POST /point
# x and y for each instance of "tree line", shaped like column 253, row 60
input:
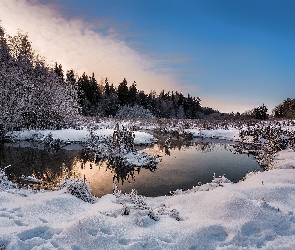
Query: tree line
column 104, row 99
column 35, row 94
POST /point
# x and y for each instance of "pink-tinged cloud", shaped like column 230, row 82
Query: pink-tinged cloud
column 75, row 44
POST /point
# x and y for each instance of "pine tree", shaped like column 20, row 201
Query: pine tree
column 59, row 72
column 132, row 93
column 260, row 112
column 123, row 93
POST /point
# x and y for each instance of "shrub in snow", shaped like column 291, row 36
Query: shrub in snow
column 175, row 214
column 134, row 112
column 264, row 140
column 134, row 203
column 51, row 145
column 78, row 188
column 4, row 182
column 119, row 150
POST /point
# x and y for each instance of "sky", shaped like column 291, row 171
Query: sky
column 234, row 55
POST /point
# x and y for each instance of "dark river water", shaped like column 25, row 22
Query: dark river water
column 182, row 166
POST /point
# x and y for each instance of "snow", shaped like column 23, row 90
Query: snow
column 74, row 135
column 285, row 159
column 257, row 213
column 231, row 134
column 30, row 179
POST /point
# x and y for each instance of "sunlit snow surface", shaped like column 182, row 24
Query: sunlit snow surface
column 257, row 213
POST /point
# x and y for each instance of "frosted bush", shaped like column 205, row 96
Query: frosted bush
column 134, row 203
column 78, row 188
column 4, row 182
column 51, row 145
column 119, row 150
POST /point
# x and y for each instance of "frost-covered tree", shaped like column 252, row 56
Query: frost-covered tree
column 31, row 92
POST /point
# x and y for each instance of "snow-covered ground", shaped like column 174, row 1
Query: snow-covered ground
column 74, row 135
column 258, row 213
column 230, row 134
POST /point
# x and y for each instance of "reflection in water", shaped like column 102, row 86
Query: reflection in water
column 35, row 162
column 183, row 165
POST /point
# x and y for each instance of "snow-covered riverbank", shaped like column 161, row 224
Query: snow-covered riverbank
column 74, row 135
column 255, row 213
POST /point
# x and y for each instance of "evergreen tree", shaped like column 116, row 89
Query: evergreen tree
column 107, row 90
column 132, row 94
column 89, row 95
column 123, row 93
column 260, row 112
column 59, row 72
column 286, row 109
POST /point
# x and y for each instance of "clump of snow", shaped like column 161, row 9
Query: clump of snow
column 31, row 179
column 216, row 182
column 231, row 134
column 140, row 159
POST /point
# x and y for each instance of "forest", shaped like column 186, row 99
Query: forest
column 35, row 94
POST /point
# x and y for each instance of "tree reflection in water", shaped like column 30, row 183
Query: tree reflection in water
column 117, row 167
column 35, row 162
column 51, row 168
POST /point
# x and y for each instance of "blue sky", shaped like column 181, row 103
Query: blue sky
column 234, row 55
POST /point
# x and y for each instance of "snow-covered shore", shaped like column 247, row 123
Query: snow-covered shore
column 257, row 213
column 74, row 135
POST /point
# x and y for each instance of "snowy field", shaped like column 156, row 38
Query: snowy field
column 257, row 213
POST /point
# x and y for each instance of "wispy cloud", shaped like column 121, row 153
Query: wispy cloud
column 84, row 46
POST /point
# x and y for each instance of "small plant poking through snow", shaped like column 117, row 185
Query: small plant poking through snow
column 78, row 188
column 134, row 203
